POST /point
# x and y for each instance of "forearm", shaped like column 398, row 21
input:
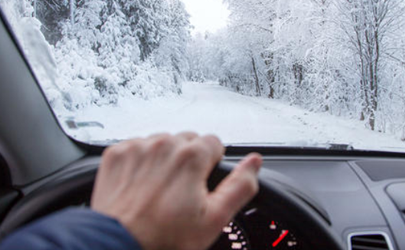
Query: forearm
column 73, row 229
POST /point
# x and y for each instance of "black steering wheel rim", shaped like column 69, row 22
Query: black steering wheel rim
column 75, row 188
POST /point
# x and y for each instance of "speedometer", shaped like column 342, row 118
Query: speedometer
column 282, row 238
column 259, row 229
column 268, row 231
column 232, row 237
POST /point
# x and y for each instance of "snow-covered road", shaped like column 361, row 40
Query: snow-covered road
column 212, row 109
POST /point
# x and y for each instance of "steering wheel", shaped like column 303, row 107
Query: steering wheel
column 75, row 188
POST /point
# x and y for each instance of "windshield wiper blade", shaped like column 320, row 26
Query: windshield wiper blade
column 72, row 124
column 340, row 147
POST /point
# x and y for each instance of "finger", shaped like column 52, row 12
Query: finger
column 132, row 157
column 217, row 151
column 159, row 135
column 236, row 190
column 113, row 156
column 200, row 156
column 157, row 143
column 159, row 148
column 186, row 136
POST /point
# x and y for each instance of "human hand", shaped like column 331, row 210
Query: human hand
column 157, row 189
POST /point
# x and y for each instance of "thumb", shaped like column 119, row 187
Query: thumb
column 236, row 190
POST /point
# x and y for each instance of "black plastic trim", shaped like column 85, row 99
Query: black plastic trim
column 31, row 139
column 301, row 151
column 8, row 198
column 9, row 29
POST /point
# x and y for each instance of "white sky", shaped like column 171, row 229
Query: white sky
column 207, row 15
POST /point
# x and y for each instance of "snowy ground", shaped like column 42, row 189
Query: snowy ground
column 212, row 109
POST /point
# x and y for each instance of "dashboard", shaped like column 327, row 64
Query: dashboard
column 361, row 199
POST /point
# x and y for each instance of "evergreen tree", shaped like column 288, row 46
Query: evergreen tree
column 173, row 46
column 146, row 20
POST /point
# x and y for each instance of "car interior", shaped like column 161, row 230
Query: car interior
column 308, row 199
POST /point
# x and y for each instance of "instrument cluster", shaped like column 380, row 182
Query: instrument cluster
column 256, row 228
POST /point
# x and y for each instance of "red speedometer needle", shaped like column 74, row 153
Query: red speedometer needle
column 282, row 236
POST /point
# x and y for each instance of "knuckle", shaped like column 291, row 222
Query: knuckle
column 108, row 152
column 215, row 147
column 191, row 133
column 203, row 148
column 123, row 150
column 189, row 151
column 212, row 139
column 111, row 156
column 162, row 141
column 132, row 146
column 198, row 156
column 192, row 156
column 156, row 136
column 187, row 135
column 112, row 152
column 195, row 152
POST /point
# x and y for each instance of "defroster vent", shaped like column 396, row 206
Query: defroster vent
column 369, row 241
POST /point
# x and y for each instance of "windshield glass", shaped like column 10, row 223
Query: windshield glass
column 292, row 73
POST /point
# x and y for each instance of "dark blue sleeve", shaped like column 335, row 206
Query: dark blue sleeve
column 72, row 229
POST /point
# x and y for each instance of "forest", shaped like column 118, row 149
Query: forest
column 342, row 57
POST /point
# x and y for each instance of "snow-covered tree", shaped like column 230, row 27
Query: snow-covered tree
column 369, row 26
column 173, row 46
column 342, row 57
column 146, row 18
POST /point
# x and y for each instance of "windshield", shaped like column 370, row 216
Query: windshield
column 293, row 73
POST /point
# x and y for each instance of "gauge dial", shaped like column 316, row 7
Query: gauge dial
column 267, row 231
column 281, row 238
column 232, row 237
